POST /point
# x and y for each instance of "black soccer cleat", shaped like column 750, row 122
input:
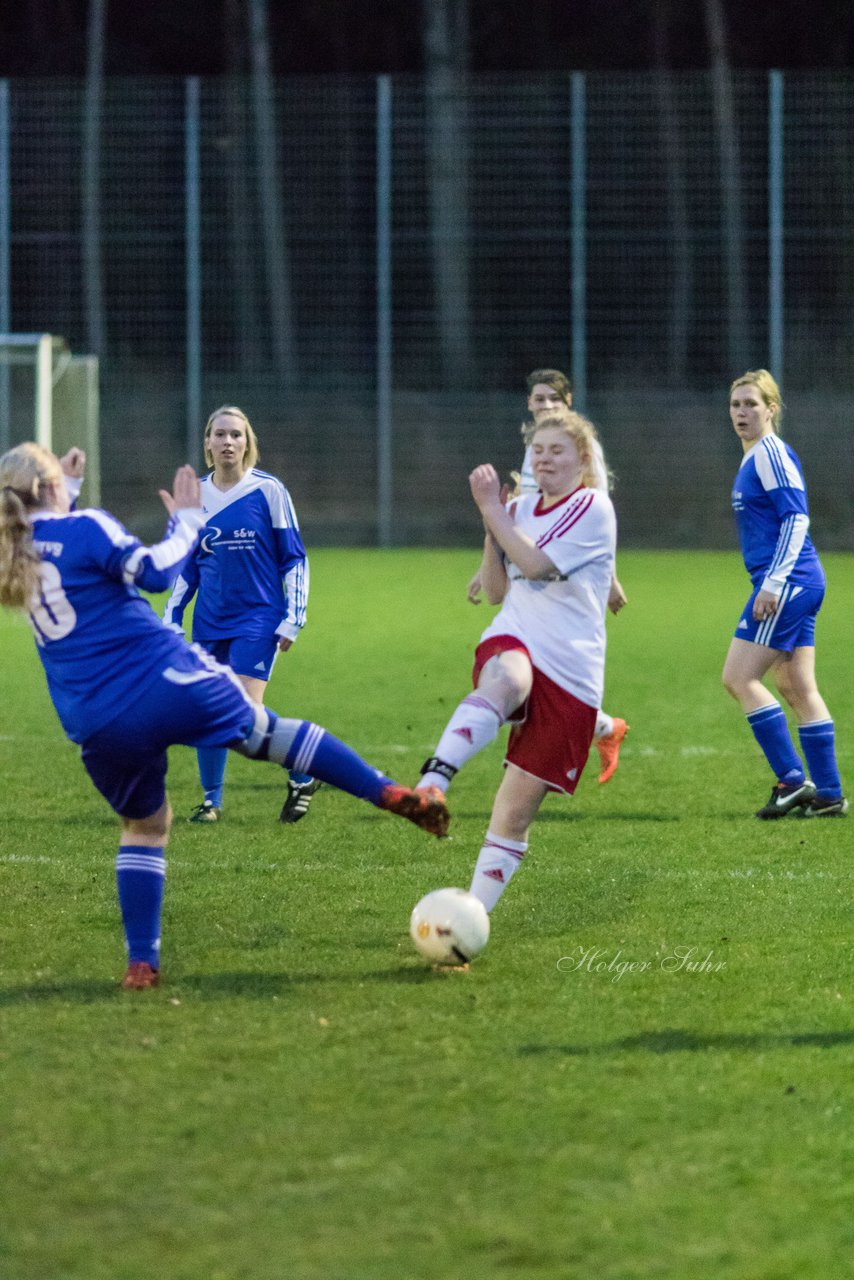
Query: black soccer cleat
column 825, row 807
column 204, row 812
column 785, row 799
column 298, row 799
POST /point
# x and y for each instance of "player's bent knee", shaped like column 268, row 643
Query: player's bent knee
column 507, row 690
column 272, row 737
column 734, row 684
column 156, row 826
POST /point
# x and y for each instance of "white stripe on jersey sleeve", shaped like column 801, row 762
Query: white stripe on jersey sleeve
column 790, row 542
column 177, row 601
column 774, row 467
column 181, row 536
column 282, row 513
column 114, row 531
column 296, row 591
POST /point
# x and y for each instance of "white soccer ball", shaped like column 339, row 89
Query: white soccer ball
column 449, row 926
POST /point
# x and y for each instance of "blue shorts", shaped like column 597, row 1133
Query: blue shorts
column 791, row 627
column 194, row 703
column 254, row 658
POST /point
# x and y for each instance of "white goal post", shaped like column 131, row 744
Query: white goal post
column 50, row 395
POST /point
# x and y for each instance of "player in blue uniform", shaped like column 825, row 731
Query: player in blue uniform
column 249, row 574
column 126, row 687
column 776, row 631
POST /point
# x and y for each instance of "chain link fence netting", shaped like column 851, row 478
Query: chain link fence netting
column 618, row 226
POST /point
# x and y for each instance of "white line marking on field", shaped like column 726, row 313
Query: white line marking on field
column 311, row 868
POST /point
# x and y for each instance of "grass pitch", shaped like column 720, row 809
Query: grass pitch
column 647, row 1074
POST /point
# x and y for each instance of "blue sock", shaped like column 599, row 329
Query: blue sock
column 818, row 742
column 299, row 778
column 140, row 875
column 331, row 760
column 772, row 733
column 212, row 771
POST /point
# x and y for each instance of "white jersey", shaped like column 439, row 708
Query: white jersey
column 527, row 483
column 561, row 620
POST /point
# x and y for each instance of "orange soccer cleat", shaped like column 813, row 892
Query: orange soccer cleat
column 140, row 976
column 609, row 749
column 425, row 807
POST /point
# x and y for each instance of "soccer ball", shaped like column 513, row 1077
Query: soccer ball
column 449, row 926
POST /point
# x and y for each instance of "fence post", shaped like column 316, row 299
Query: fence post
column 90, row 220
column 578, row 197
column 5, row 264
column 385, row 490
column 192, row 270
column 776, row 250
column 44, row 391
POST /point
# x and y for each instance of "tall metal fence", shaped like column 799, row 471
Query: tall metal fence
column 370, row 267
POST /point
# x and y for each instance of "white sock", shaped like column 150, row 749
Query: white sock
column 496, row 862
column 474, row 724
column 604, row 725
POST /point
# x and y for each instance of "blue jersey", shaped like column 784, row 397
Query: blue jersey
column 250, row 568
column 770, row 504
column 100, row 642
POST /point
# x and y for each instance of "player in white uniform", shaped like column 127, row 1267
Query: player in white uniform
column 549, row 392
column 540, row 664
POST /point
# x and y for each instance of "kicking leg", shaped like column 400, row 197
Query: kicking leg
column 301, row 786
column 503, row 685
column 299, row 744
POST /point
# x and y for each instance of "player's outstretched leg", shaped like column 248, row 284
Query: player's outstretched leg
column 473, row 726
column 299, row 744
column 425, row 807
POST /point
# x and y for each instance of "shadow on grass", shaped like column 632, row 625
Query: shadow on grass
column 208, row 986
column 677, row 1040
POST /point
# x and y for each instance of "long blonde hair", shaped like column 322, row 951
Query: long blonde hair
column 25, row 472
column 252, row 454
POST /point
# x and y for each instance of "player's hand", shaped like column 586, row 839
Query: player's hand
column 186, row 491
column 764, row 606
column 474, row 589
column 616, row 596
column 284, row 644
column 73, row 463
column 485, row 486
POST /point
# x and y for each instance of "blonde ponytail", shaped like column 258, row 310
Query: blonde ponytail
column 24, row 470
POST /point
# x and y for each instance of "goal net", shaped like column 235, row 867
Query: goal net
column 50, row 395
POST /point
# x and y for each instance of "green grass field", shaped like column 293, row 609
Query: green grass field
column 304, row 1099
